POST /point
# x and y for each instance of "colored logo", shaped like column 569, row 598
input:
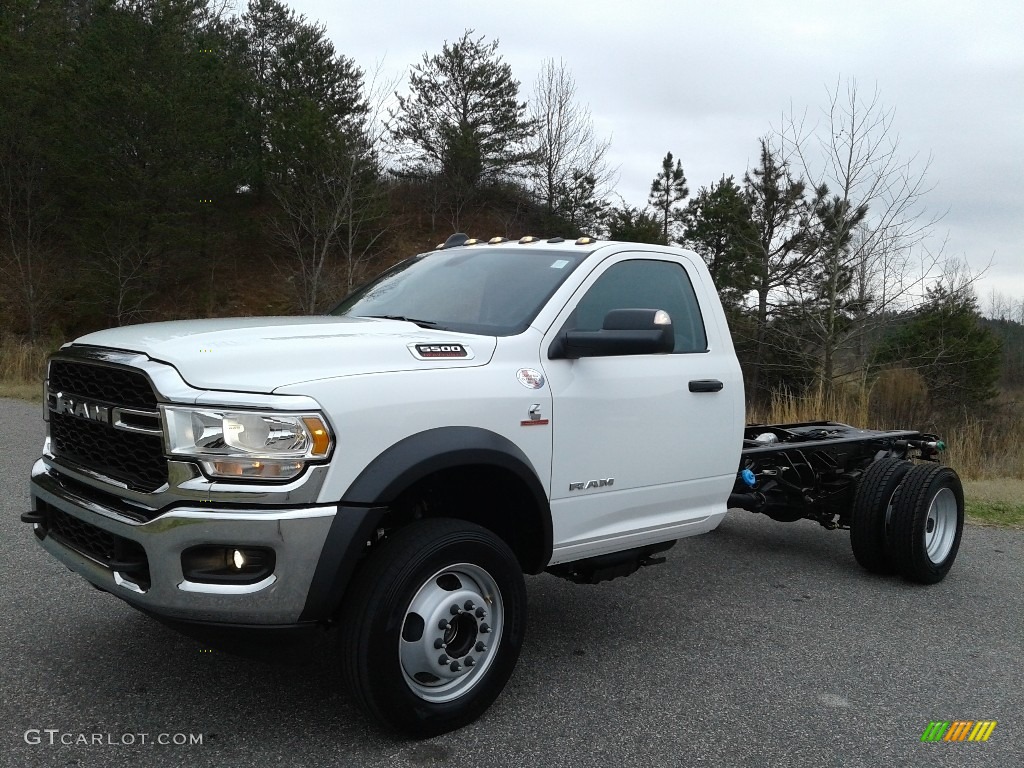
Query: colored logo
column 958, row 730
column 530, row 378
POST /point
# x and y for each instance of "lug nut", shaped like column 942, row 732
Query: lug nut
column 439, row 644
column 443, row 659
column 455, row 609
column 480, row 613
column 443, row 624
column 468, row 605
column 484, row 629
column 470, row 661
column 480, row 647
column 455, row 666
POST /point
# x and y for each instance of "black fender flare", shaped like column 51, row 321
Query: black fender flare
column 424, row 453
column 384, row 479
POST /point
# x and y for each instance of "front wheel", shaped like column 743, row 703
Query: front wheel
column 433, row 625
column 927, row 523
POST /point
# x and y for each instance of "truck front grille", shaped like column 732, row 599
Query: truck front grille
column 118, row 386
column 134, row 458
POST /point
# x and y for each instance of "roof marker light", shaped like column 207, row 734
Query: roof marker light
column 529, row 239
column 496, row 240
column 585, row 241
column 455, row 240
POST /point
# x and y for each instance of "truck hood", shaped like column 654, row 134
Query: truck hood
column 260, row 354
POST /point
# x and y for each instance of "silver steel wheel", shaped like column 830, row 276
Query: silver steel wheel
column 927, row 523
column 940, row 525
column 451, row 632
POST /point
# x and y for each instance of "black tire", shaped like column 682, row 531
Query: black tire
column 927, row 523
column 870, row 507
column 433, row 567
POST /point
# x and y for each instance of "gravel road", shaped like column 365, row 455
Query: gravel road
column 761, row 644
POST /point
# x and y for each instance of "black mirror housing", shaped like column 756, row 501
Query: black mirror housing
column 624, row 332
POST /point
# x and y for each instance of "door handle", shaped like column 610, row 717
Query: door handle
column 706, row 385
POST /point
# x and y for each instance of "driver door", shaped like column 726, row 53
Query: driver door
column 638, row 457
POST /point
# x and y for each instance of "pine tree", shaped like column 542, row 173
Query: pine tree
column 267, row 26
column 634, row 225
column 579, row 205
column 827, row 295
column 149, row 140
column 305, row 98
column 718, row 225
column 462, row 121
column 945, row 341
column 30, row 58
column 668, row 190
column 781, row 215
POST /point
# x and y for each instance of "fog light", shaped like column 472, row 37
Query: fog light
column 263, row 469
column 218, row 564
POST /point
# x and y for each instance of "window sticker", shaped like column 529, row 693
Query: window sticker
column 560, row 264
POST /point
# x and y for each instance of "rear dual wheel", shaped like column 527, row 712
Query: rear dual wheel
column 908, row 519
column 872, row 509
column 927, row 523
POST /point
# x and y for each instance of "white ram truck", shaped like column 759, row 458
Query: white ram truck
column 476, row 413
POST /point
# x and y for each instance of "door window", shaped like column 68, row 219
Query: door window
column 644, row 284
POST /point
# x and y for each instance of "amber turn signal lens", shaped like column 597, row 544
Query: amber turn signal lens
column 321, row 440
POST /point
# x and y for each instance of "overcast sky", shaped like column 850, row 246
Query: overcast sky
column 705, row 79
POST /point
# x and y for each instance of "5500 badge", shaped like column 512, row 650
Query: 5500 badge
column 441, row 351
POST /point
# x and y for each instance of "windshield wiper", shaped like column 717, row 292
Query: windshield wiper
column 421, row 323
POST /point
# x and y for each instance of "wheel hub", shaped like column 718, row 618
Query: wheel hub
column 460, row 637
column 450, row 630
column 940, row 525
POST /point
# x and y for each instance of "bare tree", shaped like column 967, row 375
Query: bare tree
column 565, row 146
column 334, row 209
column 871, row 224
column 325, row 213
column 1000, row 307
column 366, row 216
column 125, row 268
column 25, row 216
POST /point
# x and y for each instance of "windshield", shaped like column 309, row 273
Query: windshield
column 483, row 289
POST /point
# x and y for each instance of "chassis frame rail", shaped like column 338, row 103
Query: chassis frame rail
column 809, row 470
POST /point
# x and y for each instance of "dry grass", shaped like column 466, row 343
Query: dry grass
column 982, row 449
column 818, row 405
column 30, row 392
column 22, row 368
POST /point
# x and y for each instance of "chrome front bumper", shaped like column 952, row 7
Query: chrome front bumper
column 297, row 536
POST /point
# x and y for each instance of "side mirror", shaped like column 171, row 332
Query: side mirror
column 624, row 332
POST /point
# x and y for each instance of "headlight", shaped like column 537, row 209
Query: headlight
column 247, row 444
